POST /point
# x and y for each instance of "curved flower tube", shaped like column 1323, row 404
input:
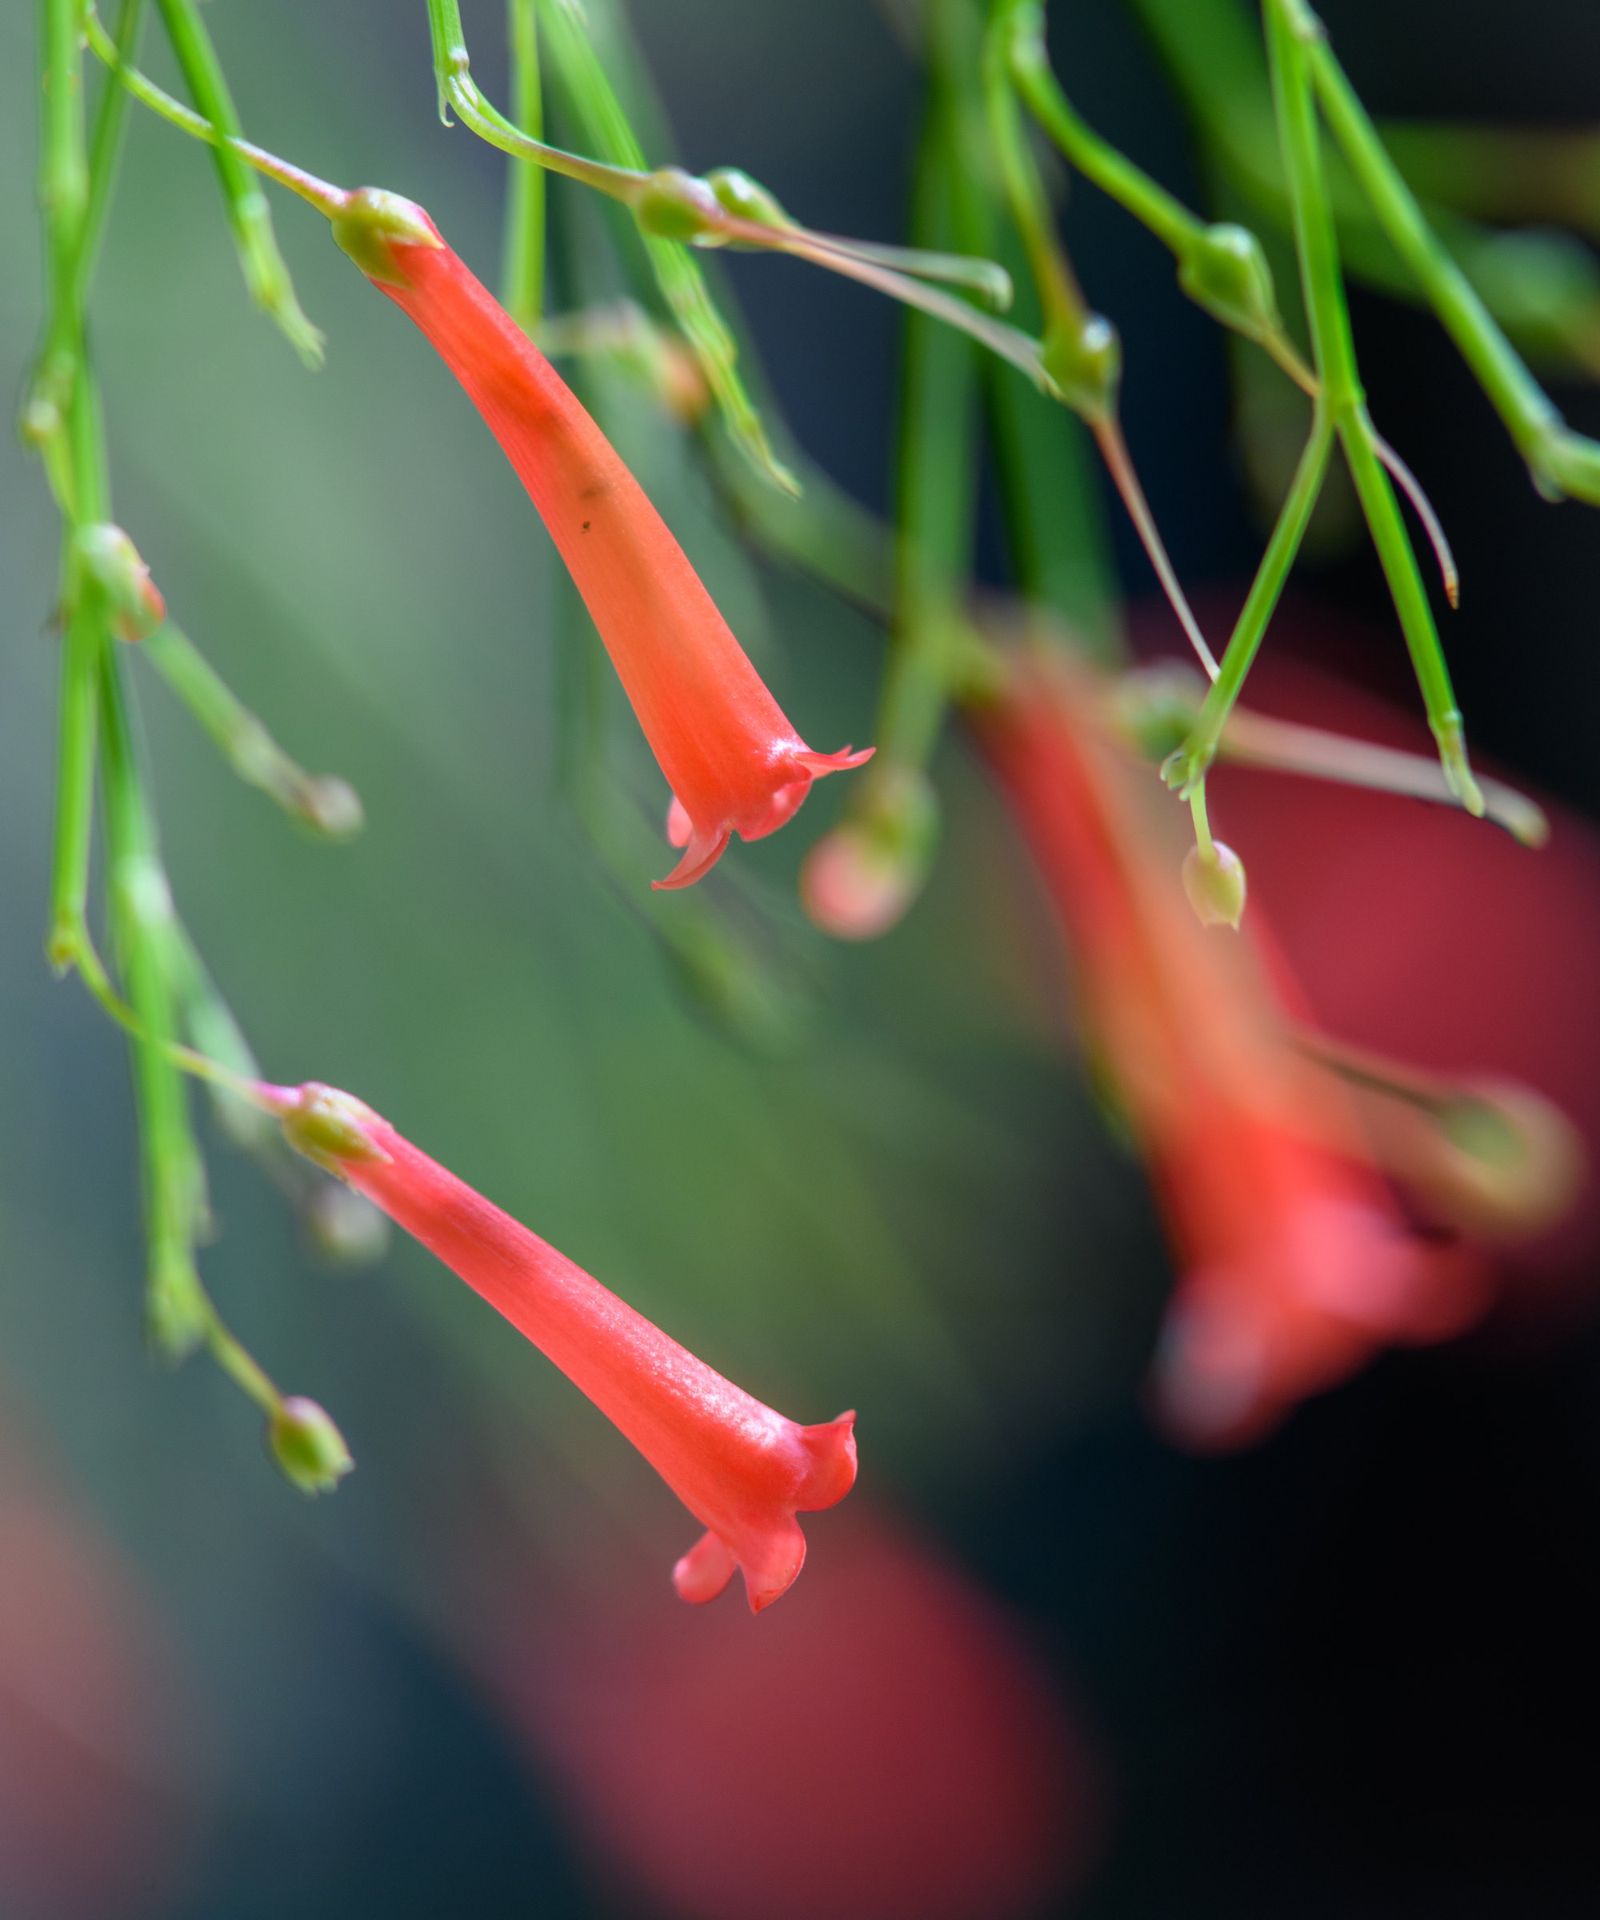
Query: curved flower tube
column 741, row 1469
column 1298, row 1265
column 733, row 760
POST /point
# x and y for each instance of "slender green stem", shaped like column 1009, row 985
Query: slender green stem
column 1222, row 268
column 140, row 912
column 327, row 805
column 329, row 200
column 1291, row 32
column 1020, row 24
column 1560, row 461
column 1187, row 768
column 525, row 209
column 678, row 276
column 936, row 467
column 266, row 273
column 452, row 71
column 1548, row 293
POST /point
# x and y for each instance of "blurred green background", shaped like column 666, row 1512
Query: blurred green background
column 900, row 1199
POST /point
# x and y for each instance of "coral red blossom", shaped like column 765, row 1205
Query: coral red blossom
column 741, row 1469
column 732, row 758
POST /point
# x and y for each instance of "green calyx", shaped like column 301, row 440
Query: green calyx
column 309, row 1449
column 746, row 199
column 1226, row 273
column 675, row 205
column 331, row 1128
column 1082, row 360
column 372, row 222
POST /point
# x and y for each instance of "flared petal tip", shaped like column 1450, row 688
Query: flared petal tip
column 818, row 764
column 832, row 1472
column 700, row 855
column 703, row 1571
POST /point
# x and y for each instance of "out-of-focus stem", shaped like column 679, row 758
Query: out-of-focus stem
column 265, row 272
column 525, row 197
column 327, row 805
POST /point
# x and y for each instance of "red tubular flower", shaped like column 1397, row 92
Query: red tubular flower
column 741, row 1469
column 734, row 762
column 1298, row 1263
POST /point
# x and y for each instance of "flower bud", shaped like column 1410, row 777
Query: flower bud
column 308, row 1447
column 115, row 564
column 1226, row 272
column 1084, row 365
column 1214, row 882
column 746, row 199
column 674, row 205
column 373, row 222
column 859, row 880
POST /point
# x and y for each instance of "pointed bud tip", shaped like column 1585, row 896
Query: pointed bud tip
column 308, row 1448
column 1215, row 884
column 333, row 1129
column 374, row 223
column 1226, row 272
column 675, row 205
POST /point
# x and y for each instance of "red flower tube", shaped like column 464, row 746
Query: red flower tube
column 741, row 1469
column 1298, row 1264
column 733, row 760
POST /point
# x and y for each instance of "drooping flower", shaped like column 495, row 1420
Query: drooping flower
column 733, row 760
column 741, row 1469
column 1297, row 1263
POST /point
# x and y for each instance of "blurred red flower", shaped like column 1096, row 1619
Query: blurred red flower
column 889, row 1748
column 1296, row 1262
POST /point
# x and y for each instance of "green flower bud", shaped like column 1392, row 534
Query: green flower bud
column 1226, row 272
column 1215, row 885
column 1084, row 365
column 674, row 205
column 373, row 223
column 746, row 199
column 329, row 1127
column 308, row 1448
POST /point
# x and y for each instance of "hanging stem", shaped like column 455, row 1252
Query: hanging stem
column 525, row 201
column 1291, row 30
column 1186, row 770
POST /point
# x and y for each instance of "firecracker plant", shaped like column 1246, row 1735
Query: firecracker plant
column 1265, row 1141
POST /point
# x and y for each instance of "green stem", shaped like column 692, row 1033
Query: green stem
column 265, row 272
column 327, row 805
column 678, row 276
column 1291, row 32
column 525, row 204
column 452, row 72
column 1222, row 268
column 140, row 915
column 329, row 200
column 1187, row 768
column 1560, row 461
column 937, row 464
